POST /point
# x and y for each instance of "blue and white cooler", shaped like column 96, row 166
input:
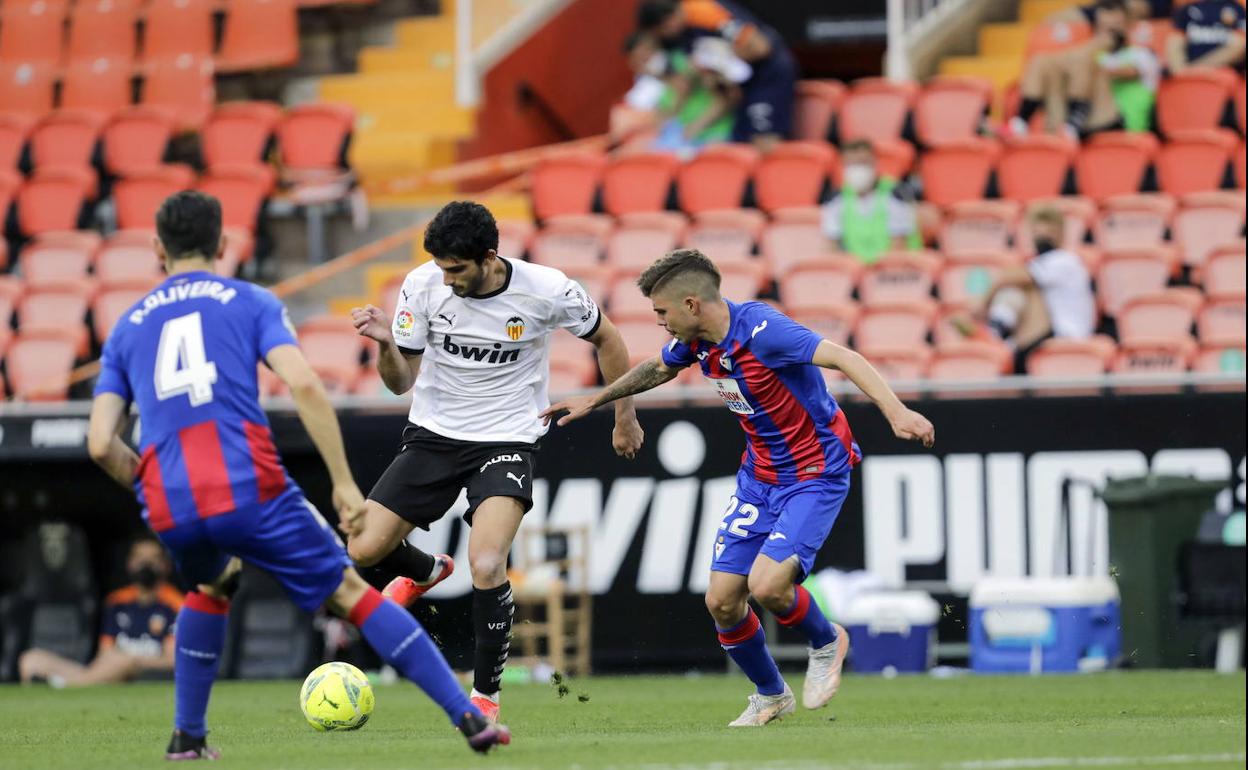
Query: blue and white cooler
column 1045, row 624
column 892, row 630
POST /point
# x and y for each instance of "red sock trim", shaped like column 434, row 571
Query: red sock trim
column 205, row 603
column 797, row 613
column 741, row 632
column 365, row 607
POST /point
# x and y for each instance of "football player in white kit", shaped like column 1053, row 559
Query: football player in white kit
column 471, row 332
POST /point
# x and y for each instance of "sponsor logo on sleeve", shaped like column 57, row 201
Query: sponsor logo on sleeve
column 404, row 323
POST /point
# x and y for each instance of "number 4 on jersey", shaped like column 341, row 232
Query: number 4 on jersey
column 181, row 366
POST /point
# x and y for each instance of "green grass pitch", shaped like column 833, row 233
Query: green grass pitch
column 1136, row 719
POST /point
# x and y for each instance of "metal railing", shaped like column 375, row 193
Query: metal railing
column 908, row 21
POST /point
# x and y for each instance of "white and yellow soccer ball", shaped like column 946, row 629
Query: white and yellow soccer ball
column 336, row 696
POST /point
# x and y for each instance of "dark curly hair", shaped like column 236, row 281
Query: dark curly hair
column 189, row 225
column 462, row 230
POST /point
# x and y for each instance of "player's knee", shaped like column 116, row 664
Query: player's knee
column 773, row 593
column 365, row 552
column 489, row 568
column 724, row 608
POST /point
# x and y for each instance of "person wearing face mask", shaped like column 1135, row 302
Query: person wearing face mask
column 136, row 633
column 1050, row 297
column 867, row 217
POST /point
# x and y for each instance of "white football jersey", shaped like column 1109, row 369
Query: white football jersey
column 486, row 359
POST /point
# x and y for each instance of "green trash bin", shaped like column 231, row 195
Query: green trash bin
column 1149, row 518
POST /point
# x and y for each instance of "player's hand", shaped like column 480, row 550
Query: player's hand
column 350, row 505
column 913, row 426
column 372, row 322
column 627, row 437
column 576, row 408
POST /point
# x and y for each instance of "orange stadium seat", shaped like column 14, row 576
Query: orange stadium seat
column 1240, row 162
column 1035, row 167
column 741, row 280
column 1125, row 275
column 313, row 137
column 108, row 308
column 672, row 221
column 1154, row 359
column 571, row 242
column 624, row 298
column 48, row 264
column 103, row 29
column 1241, row 107
column 259, row 34
column 714, row 180
column 876, row 108
column 636, row 248
column 1223, row 274
column 644, row 337
column 565, row 185
column 899, row 363
column 65, row 138
column 902, row 324
column 572, row 356
column 951, row 109
column 958, row 171
column 100, row 86
column 970, row 361
column 1206, row 221
column 966, row 278
column 6, row 323
column 32, row 33
column 14, row 131
column 834, row 322
column 173, row 28
column 638, row 183
column 1195, row 161
column 749, row 220
column 973, row 227
column 793, row 174
column 783, row 244
column 813, row 285
column 594, row 278
column 1071, row 358
column 127, row 262
column 1047, row 37
column 904, row 276
column 722, row 242
column 1194, row 99
column 242, row 191
column 1160, row 318
column 1134, row 221
column 1114, row 163
column 184, row 87
column 817, row 102
column 38, row 366
column 1220, row 323
column 238, row 133
column 334, row 354
column 893, row 158
column 60, row 309
column 1077, row 212
column 514, row 237
column 136, row 139
column 138, row 195
column 1221, row 361
column 53, row 199
column 26, row 89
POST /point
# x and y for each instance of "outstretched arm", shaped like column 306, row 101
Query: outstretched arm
column 647, row 375
column 906, row 423
column 613, row 361
column 108, row 413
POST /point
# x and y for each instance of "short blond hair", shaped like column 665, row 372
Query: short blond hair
column 1049, row 215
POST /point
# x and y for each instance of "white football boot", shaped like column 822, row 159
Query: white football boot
column 823, row 672
column 766, row 708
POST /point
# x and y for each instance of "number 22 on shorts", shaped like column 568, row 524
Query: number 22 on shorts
column 738, row 525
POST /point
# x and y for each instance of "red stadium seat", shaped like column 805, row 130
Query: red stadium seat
column 1240, row 162
column 312, row 138
column 109, row 306
column 951, row 110
column 65, row 138
column 973, row 227
column 1071, row 358
column 814, row 285
column 966, row 278
column 238, row 133
column 1125, row 275
column 127, row 262
column 58, row 310
column 1156, row 319
column 184, row 87
column 1195, row 161
column 1206, row 221
column 32, row 33
column 876, row 108
column 905, row 276
column 14, row 131
column 793, row 174
column 750, row 220
column 714, row 181
column 103, row 29
column 514, row 237
column 1220, row 323
column 1221, row 361
column 1035, row 167
column 817, row 102
column 783, row 244
column 49, row 264
column 1194, row 99
column 834, row 322
column 643, row 336
column 637, row 183
column 172, row 28
column 53, row 199
column 636, row 248
column 1154, row 359
column 138, row 195
column 894, row 158
column 38, row 366
column 99, row 86
column 722, row 243
column 1134, row 221
column 259, row 34
column 958, row 171
column 740, row 281
column 334, row 355
column 594, row 278
column 26, row 89
column 624, row 298
column 904, row 324
column 6, row 323
column 1114, row 163
column 570, row 242
column 970, row 361
column 565, row 185
column 242, row 191
column 1223, row 274
column 572, row 356
column 135, row 140
column 899, row 363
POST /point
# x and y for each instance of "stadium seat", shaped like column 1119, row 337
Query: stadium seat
column 138, row 195
column 643, row 336
column 32, row 33
column 334, row 354
column 1153, row 319
column 1193, row 99
column 671, row 221
column 784, row 243
column 624, row 298
column 722, row 242
column 14, row 131
column 905, row 324
column 958, row 171
column 1114, row 163
column 1221, row 361
column 714, row 181
column 970, row 361
column 60, row 309
column 98, row 86
column 238, row 133
column 514, row 237
column 6, row 323
column 1194, row 161
column 793, row 174
column 312, row 138
column 966, row 278
column 1223, row 274
column 594, row 278
column 38, row 366
column 834, row 322
column 1154, row 359
column 127, row 262
column 636, row 248
column 1071, row 358
column 899, row 363
column 172, row 28
column 876, row 108
column 639, row 182
column 1048, row 37
column 741, row 281
column 65, row 139
column 904, row 276
column 103, row 29
column 973, row 227
column 814, row 285
column 259, row 34
column 1240, row 162
column 1125, row 275
column 570, row 241
column 1241, row 107
column 184, row 87
column 951, row 109
column 53, row 199
column 894, row 158
column 242, row 191
column 1134, row 221
column 1220, row 323
column 136, row 139
column 565, row 185
column 572, row 356
column 1206, row 221
column 109, row 306
column 48, row 264
column 1035, row 167
column 26, row 89
column 816, row 104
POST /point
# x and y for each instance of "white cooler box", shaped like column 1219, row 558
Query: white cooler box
column 894, row 629
column 1045, row 624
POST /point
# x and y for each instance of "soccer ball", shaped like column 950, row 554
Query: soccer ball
column 336, row 696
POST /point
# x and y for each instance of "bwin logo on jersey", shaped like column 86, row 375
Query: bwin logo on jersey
column 515, row 327
column 495, row 355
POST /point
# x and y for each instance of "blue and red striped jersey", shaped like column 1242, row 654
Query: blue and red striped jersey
column 186, row 355
column 763, row 372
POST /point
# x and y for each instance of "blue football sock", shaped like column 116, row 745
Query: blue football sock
column 401, row 641
column 746, row 644
column 806, row 617
column 199, row 638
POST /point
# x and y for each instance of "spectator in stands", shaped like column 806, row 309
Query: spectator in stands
column 1137, row 11
column 695, row 96
column 136, row 633
column 868, row 216
column 765, row 113
column 1213, row 36
column 1050, row 297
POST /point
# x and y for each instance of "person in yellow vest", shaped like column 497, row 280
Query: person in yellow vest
column 867, row 217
